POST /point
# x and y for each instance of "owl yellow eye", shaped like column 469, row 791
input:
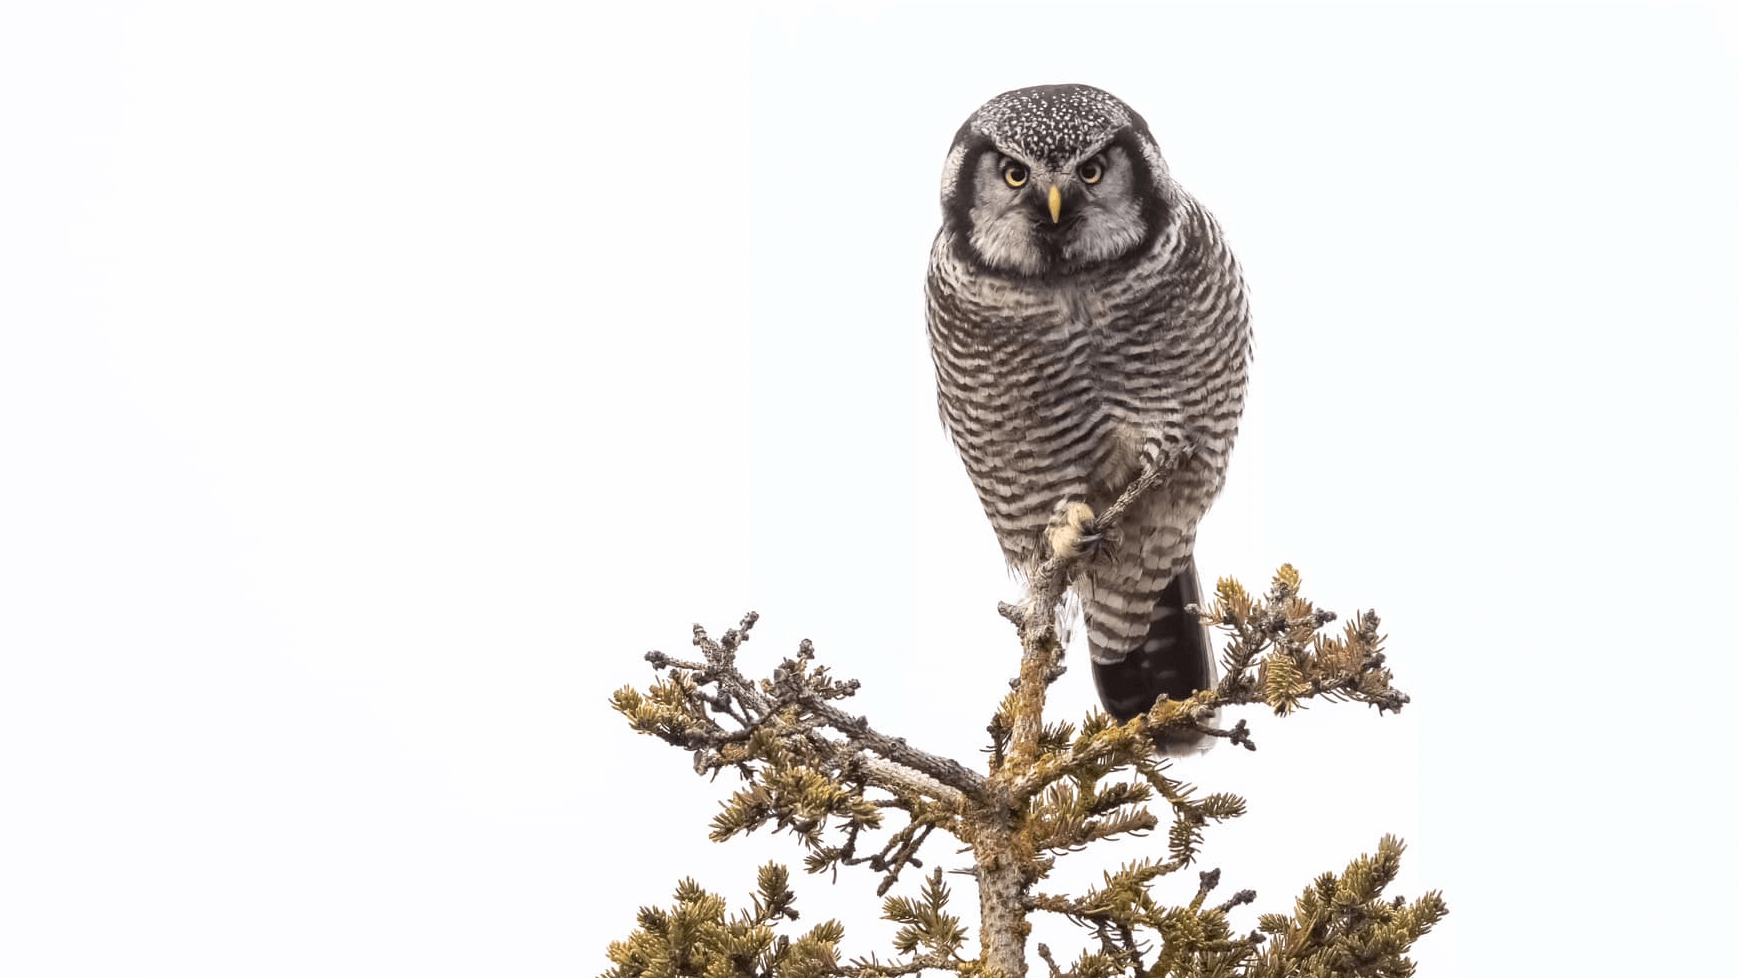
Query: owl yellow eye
column 1091, row 171
column 1015, row 175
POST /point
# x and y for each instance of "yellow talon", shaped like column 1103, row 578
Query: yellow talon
column 1068, row 526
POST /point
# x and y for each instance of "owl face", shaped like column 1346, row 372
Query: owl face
column 1052, row 180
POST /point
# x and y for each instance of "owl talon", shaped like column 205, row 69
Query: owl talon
column 1074, row 533
column 1067, row 526
column 1097, row 542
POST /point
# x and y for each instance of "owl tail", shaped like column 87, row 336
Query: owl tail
column 1175, row 660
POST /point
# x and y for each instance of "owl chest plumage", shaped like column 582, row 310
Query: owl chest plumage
column 1051, row 388
column 1027, row 389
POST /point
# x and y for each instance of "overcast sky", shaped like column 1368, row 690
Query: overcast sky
column 379, row 381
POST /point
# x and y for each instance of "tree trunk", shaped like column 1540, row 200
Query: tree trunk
column 1003, row 926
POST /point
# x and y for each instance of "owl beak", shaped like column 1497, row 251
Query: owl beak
column 1055, row 200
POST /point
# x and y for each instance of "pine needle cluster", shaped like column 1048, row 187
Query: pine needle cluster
column 852, row 795
column 697, row 937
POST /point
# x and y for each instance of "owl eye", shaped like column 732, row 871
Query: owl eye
column 1091, row 171
column 1015, row 175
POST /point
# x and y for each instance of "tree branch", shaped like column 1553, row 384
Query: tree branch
column 1051, row 790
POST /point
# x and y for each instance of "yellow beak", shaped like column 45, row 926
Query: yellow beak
column 1055, row 199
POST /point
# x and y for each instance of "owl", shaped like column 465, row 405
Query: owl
column 1087, row 321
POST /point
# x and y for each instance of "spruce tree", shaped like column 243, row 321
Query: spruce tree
column 855, row 796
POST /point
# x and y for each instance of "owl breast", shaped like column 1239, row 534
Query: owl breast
column 1052, row 387
column 1026, row 392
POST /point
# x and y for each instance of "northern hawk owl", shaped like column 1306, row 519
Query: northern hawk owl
column 1086, row 320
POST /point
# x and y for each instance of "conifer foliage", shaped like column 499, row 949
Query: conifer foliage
column 854, row 796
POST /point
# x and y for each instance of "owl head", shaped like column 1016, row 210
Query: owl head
column 1052, row 180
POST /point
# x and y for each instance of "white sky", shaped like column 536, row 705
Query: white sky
column 379, row 381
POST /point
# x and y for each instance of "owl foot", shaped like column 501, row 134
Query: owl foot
column 1073, row 532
